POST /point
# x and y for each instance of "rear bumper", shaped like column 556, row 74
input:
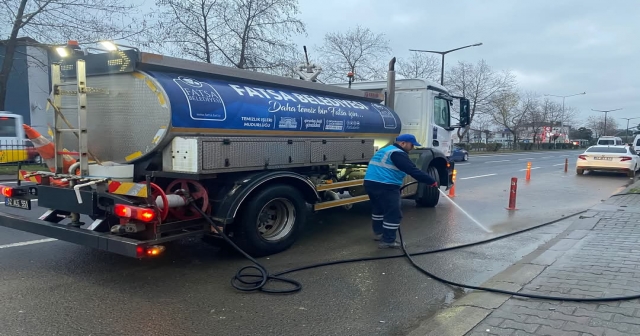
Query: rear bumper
column 624, row 166
column 100, row 241
column 620, row 169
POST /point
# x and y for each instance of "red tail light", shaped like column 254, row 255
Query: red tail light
column 582, row 157
column 141, row 214
column 625, row 158
column 149, row 251
column 6, row 191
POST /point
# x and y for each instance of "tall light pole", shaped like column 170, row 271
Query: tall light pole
column 444, row 53
column 563, row 98
column 628, row 119
column 605, row 118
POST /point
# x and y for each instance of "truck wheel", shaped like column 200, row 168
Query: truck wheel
column 271, row 221
column 631, row 173
column 579, row 171
column 431, row 195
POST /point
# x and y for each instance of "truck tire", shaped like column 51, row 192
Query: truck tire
column 631, row 173
column 431, row 195
column 270, row 221
column 579, row 171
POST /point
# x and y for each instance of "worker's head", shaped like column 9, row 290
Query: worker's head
column 407, row 141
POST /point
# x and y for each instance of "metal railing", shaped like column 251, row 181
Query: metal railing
column 12, row 153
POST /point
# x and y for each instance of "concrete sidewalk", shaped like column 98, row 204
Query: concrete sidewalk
column 597, row 255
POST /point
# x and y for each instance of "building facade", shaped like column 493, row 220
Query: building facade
column 29, row 84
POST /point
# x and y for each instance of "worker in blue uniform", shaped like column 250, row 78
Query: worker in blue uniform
column 385, row 175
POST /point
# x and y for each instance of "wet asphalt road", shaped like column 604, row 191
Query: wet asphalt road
column 57, row 288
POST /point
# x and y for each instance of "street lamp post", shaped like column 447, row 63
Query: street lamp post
column 605, row 118
column 444, row 53
column 629, row 119
column 563, row 98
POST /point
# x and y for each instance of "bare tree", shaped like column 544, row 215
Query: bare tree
column 55, row 21
column 358, row 50
column 596, row 123
column 419, row 65
column 480, row 84
column 191, row 26
column 246, row 34
column 509, row 109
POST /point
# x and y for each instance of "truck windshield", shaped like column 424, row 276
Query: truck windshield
column 441, row 112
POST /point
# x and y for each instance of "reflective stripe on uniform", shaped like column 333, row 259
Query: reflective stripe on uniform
column 390, row 226
column 384, row 159
column 381, row 169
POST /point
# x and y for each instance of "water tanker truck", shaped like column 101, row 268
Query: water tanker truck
column 155, row 136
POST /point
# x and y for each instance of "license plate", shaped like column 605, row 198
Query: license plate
column 18, row 203
column 603, row 158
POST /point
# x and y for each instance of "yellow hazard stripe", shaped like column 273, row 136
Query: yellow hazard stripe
column 133, row 156
column 29, row 179
column 131, row 189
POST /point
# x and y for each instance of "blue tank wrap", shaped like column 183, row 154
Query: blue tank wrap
column 200, row 104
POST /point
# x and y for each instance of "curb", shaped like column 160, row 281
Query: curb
column 633, row 185
column 467, row 312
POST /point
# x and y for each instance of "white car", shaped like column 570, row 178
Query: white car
column 608, row 158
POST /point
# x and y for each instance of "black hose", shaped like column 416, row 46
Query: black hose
column 256, row 282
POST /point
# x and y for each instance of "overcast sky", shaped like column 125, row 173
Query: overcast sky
column 554, row 47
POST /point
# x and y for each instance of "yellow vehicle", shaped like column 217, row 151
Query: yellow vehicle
column 14, row 146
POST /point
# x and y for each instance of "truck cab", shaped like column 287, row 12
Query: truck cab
column 424, row 107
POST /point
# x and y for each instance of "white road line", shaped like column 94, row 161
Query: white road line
column 497, row 161
column 461, row 164
column 531, row 168
column 546, row 157
column 525, row 159
column 559, row 164
column 31, row 242
column 472, row 177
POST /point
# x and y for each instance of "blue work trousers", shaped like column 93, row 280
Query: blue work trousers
column 385, row 204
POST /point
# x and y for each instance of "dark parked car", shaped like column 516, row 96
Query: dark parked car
column 459, row 154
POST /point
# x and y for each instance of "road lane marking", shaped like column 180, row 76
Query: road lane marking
column 525, row 159
column 31, row 242
column 461, row 164
column 497, row 161
column 559, row 164
column 546, row 157
column 531, row 168
column 472, row 177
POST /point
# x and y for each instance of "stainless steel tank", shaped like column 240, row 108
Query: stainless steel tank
column 131, row 115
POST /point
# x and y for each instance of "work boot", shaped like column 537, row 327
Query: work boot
column 394, row 245
column 377, row 236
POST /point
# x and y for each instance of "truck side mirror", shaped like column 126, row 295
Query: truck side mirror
column 465, row 112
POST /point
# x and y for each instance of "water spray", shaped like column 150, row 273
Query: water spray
column 475, row 221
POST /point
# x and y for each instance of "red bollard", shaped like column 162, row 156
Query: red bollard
column 566, row 165
column 512, row 193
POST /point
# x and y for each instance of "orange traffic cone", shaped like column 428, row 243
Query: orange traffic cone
column 46, row 149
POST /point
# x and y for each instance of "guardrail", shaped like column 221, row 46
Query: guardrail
column 12, row 153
